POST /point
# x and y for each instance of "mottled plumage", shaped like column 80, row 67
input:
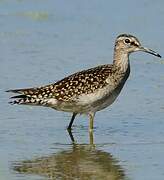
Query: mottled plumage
column 84, row 82
column 87, row 91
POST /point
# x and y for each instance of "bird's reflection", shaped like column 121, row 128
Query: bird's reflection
column 78, row 162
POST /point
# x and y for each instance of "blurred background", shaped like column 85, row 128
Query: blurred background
column 42, row 41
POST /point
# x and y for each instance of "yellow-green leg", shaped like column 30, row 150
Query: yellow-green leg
column 91, row 139
column 91, row 121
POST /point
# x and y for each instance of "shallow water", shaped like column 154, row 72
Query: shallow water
column 43, row 41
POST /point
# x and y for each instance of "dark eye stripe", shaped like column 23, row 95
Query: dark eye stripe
column 134, row 44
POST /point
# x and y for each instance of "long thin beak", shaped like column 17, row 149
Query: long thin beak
column 144, row 49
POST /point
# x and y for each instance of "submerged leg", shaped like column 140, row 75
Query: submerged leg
column 71, row 122
column 91, row 138
column 71, row 136
column 91, row 121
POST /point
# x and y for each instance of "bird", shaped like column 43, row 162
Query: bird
column 87, row 91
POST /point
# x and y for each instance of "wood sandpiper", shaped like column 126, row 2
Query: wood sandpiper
column 87, row 91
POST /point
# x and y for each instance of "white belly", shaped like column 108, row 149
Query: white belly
column 98, row 100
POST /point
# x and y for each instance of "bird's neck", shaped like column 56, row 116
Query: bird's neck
column 121, row 60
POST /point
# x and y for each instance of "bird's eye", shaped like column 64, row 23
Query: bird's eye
column 127, row 41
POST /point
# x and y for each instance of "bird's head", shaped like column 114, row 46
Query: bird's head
column 128, row 44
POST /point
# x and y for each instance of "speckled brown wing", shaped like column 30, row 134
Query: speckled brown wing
column 83, row 82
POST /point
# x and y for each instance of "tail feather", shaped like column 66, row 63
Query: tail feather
column 25, row 100
column 27, row 91
column 19, row 96
column 18, row 101
column 27, row 96
column 30, row 96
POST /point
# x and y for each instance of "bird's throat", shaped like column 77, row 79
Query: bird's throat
column 121, row 60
